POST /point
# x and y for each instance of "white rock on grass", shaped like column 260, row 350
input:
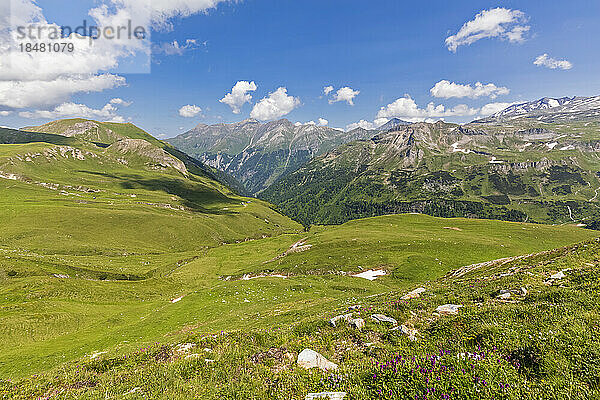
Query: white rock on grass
column 357, row 323
column 311, row 359
column 384, row 318
column 410, row 332
column 134, row 390
column 448, row 309
column 185, row 347
column 349, row 319
column 325, row 395
column 415, row 294
column 504, row 296
column 346, row 318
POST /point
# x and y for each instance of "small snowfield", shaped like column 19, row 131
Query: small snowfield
column 370, row 274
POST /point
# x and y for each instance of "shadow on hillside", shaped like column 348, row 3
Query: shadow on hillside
column 12, row 136
column 195, row 196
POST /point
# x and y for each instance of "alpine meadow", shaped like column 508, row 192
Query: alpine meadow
column 217, row 199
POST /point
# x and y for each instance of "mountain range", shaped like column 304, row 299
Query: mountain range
column 535, row 162
column 128, row 267
column 513, row 166
column 563, row 109
column 258, row 154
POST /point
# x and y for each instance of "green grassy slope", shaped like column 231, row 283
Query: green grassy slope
column 540, row 343
column 96, row 214
column 94, row 131
column 62, row 303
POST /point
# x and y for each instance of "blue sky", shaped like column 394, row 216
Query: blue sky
column 386, row 49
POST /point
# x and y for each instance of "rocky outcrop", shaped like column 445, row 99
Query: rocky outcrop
column 149, row 151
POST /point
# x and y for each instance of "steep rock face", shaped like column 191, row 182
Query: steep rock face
column 392, row 124
column 258, row 154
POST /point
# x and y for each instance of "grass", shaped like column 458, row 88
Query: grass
column 542, row 344
column 105, row 252
column 49, row 320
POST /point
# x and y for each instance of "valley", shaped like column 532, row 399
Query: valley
column 121, row 258
column 299, row 200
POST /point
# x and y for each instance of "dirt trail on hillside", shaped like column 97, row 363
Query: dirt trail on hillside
column 496, row 263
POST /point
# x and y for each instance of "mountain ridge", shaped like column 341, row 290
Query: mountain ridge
column 548, row 109
column 257, row 154
column 525, row 171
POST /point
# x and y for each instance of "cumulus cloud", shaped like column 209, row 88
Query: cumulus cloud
column 546, row 61
column 276, row 105
column 189, row 111
column 320, row 122
column 176, row 48
column 345, row 94
column 406, row 109
column 361, row 124
column 502, row 23
column 5, row 113
column 161, row 11
column 36, row 93
column 380, row 122
column 493, row 108
column 69, row 110
column 120, row 102
column 446, row 90
column 239, row 96
column 309, row 123
column 54, row 77
column 327, row 90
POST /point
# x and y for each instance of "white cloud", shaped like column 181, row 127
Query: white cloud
column 445, row 89
column 380, row 122
column 406, row 109
column 276, row 105
column 189, row 111
column 345, row 94
column 502, row 23
column 32, row 93
column 47, row 79
column 66, row 110
column 327, row 90
column 161, row 11
column 120, row 102
column 546, row 61
column 493, row 108
column 361, row 124
column 239, row 95
column 309, row 123
column 175, row 48
column 320, row 122
column 5, row 113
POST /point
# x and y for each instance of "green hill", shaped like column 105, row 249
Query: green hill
column 105, row 286
column 540, row 341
